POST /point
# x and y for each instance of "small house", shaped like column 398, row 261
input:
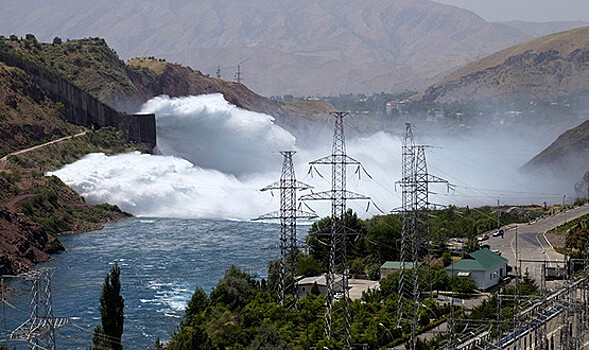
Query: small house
column 304, row 285
column 391, row 266
column 485, row 267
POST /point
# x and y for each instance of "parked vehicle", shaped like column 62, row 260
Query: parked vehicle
column 498, row 233
column 483, row 237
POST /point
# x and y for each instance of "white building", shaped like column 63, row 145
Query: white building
column 304, row 285
column 485, row 267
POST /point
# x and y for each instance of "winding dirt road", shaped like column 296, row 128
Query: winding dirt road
column 4, row 160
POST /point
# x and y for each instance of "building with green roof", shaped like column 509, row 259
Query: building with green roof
column 485, row 267
column 391, row 266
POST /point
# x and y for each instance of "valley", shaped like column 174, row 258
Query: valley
column 157, row 168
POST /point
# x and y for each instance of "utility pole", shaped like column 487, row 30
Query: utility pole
column 586, row 178
column 288, row 215
column 517, row 290
column 238, row 74
column 39, row 329
column 498, row 215
column 337, row 321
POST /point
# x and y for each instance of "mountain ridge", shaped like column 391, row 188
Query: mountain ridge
column 566, row 159
column 544, row 68
column 292, row 47
column 539, row 29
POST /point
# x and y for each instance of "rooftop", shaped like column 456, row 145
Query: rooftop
column 480, row 260
column 397, row 265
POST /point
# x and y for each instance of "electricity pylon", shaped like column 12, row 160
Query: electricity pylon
column 415, row 234
column 288, row 215
column 39, row 329
column 338, row 261
column 408, row 187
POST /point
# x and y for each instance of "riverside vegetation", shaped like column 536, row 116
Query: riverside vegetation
column 243, row 313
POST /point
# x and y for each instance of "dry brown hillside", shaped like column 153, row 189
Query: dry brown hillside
column 566, row 159
column 299, row 47
column 544, row 68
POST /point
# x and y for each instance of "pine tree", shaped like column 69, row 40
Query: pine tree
column 111, row 309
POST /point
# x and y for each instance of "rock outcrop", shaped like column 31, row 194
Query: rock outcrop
column 24, row 243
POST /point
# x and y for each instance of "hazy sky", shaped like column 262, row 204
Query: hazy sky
column 528, row 10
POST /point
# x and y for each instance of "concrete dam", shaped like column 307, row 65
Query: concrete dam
column 85, row 110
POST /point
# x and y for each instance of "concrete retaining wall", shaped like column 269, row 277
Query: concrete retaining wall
column 83, row 109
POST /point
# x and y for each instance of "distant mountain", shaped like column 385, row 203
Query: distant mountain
column 545, row 68
column 538, row 29
column 566, row 159
column 297, row 47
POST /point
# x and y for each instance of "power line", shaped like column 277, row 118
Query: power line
column 288, row 215
column 39, row 329
column 338, row 264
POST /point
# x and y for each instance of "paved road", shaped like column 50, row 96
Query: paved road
column 4, row 160
column 531, row 245
column 531, row 242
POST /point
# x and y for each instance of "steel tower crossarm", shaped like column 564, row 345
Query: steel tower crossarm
column 288, row 214
column 338, row 195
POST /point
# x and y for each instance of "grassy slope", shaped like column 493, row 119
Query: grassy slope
column 27, row 117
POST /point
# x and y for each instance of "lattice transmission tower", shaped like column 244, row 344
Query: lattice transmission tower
column 408, row 210
column 288, row 215
column 39, row 329
column 415, row 209
column 337, row 321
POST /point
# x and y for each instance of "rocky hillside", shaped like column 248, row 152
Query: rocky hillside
column 34, row 209
column 284, row 47
column 97, row 69
column 541, row 69
column 566, row 159
column 28, row 117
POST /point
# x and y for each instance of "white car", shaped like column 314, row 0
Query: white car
column 482, row 237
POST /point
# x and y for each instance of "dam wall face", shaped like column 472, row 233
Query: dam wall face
column 83, row 109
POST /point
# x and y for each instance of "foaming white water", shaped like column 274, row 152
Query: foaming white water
column 163, row 186
column 212, row 133
column 216, row 156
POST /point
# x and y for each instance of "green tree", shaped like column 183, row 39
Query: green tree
column 357, row 268
column 383, row 237
column 111, row 310
column 197, row 304
column 320, row 244
column 472, row 244
column 268, row 338
column 446, row 258
column 315, row 289
column 191, row 337
column 307, row 266
column 235, row 290
column 274, row 274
